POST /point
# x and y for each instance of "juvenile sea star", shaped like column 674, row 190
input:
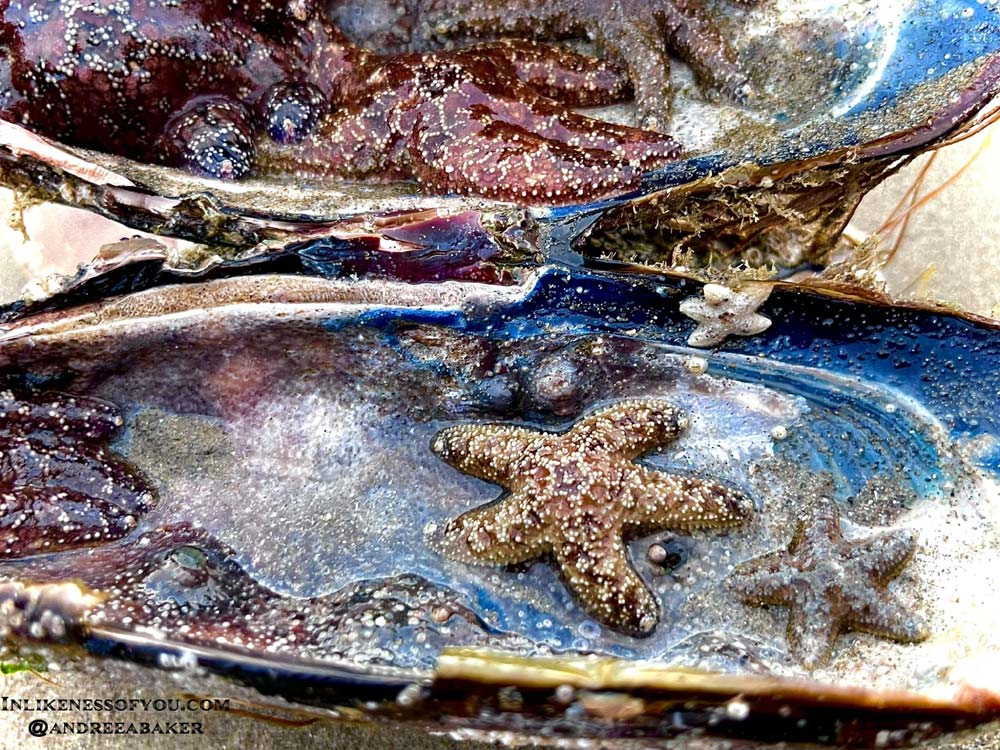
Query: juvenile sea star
column 722, row 312
column 60, row 487
column 206, row 84
column 638, row 33
column 574, row 495
column 831, row 585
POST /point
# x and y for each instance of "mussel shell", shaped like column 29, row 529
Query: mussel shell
column 890, row 411
column 285, row 424
column 886, row 81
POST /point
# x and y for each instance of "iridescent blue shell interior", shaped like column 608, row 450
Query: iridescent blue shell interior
column 369, row 435
column 298, row 505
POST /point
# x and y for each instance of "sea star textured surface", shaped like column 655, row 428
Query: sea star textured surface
column 638, row 33
column 491, row 120
column 208, row 85
column 60, row 485
column 832, row 585
column 573, row 496
column 722, row 312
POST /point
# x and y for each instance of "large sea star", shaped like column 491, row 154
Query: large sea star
column 477, row 121
column 206, row 84
column 60, row 486
column 831, row 585
column 573, row 496
column 638, row 33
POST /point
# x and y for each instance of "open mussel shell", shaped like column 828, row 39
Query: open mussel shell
column 846, row 92
column 271, row 503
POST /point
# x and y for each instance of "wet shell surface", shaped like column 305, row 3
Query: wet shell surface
column 846, row 93
column 412, row 457
column 306, row 448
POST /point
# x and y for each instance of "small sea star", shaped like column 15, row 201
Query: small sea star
column 722, row 312
column 574, row 495
column 831, row 585
column 638, row 33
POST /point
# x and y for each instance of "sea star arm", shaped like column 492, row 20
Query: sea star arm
column 522, row 111
column 637, row 43
column 874, row 611
column 674, row 501
column 74, row 469
column 572, row 79
column 765, row 580
column 510, row 162
column 696, row 39
column 884, row 555
column 44, row 519
column 488, row 451
column 492, row 17
column 817, row 529
column 60, row 485
column 632, row 428
column 89, row 419
column 517, row 145
column 505, row 532
column 607, row 586
column 812, row 629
